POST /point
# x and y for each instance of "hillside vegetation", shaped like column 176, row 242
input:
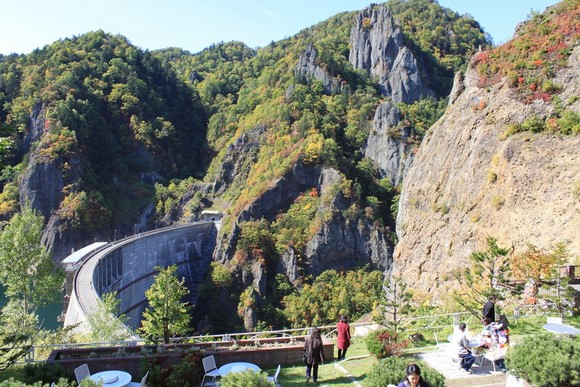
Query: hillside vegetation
column 129, row 140
column 106, row 112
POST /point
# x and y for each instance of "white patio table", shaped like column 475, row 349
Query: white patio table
column 237, row 367
column 561, row 329
column 112, row 378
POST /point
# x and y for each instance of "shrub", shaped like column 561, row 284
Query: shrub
column 183, row 370
column 17, row 383
column 497, row 202
column 492, row 176
column 31, row 374
column 392, row 371
column 385, row 343
column 247, row 378
column 532, row 124
column 569, row 123
column 546, row 360
column 548, row 86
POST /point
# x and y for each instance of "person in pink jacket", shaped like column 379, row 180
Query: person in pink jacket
column 343, row 340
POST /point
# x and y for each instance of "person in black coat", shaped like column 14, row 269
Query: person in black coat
column 489, row 309
column 314, row 354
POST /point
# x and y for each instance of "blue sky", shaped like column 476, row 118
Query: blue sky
column 195, row 24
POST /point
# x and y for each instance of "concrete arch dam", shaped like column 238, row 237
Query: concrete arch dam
column 128, row 267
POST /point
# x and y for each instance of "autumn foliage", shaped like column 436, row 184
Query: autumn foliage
column 532, row 59
column 536, row 265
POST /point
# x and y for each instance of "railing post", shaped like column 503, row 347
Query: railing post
column 29, row 357
column 455, row 318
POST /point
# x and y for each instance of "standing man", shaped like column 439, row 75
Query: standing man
column 489, row 309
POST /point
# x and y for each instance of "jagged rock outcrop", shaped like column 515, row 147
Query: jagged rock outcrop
column 388, row 145
column 42, row 185
column 239, row 158
column 377, row 47
column 344, row 244
column 457, row 89
column 36, row 126
column 339, row 244
column 307, row 68
column 466, row 183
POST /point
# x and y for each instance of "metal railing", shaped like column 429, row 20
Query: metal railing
column 433, row 323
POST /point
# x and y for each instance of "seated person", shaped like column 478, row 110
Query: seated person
column 486, row 340
column 501, row 331
column 413, row 377
column 502, row 323
column 463, row 349
column 488, row 325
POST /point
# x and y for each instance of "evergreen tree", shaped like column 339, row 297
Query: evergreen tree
column 167, row 315
column 483, row 278
column 397, row 302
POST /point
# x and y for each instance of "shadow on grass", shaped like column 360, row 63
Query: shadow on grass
column 328, row 375
column 342, row 381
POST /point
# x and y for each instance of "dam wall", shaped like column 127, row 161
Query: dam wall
column 129, row 266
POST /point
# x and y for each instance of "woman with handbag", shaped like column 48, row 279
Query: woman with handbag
column 314, row 352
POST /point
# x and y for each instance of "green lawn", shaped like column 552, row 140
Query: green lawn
column 358, row 363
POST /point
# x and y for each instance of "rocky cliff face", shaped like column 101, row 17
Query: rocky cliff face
column 338, row 244
column 387, row 144
column 308, row 68
column 240, row 156
column 377, row 47
column 467, row 183
column 42, row 185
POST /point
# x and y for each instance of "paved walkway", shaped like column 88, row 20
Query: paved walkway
column 482, row 374
column 347, row 373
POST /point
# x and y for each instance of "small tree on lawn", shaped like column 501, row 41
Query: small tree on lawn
column 106, row 324
column 538, row 266
column 397, row 302
column 483, row 278
column 167, row 315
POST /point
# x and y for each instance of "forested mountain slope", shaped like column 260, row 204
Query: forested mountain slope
column 297, row 172
column 303, row 145
column 90, row 123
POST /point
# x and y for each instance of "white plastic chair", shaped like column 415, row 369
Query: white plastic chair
column 210, row 369
column 82, row 372
column 497, row 354
column 554, row 320
column 274, row 379
column 142, row 384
